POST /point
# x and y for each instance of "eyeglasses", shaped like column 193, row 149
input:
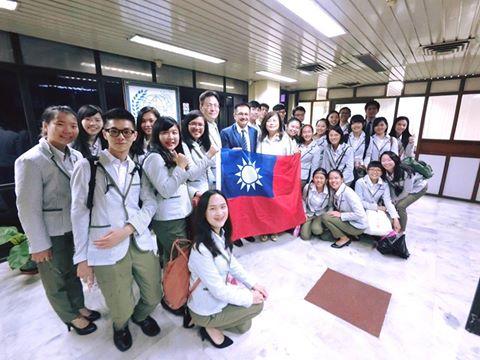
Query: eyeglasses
column 116, row 132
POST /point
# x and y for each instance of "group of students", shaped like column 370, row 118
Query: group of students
column 89, row 215
column 95, row 188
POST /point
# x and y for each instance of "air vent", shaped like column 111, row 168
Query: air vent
column 446, row 47
column 371, row 62
column 315, row 68
column 350, row 84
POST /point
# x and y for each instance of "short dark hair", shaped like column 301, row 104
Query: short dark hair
column 119, row 114
column 254, row 104
column 357, row 119
column 298, row 108
column 204, row 140
column 292, row 119
column 278, row 107
column 377, row 121
column 338, row 130
column 372, row 103
column 264, row 105
column 51, row 112
column 239, row 105
column 345, row 108
column 207, row 94
column 375, row 164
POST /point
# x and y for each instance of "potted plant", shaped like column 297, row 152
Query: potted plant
column 19, row 256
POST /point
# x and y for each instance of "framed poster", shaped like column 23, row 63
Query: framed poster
column 164, row 98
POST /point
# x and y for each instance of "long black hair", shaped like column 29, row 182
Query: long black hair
column 164, row 123
column 406, row 133
column 204, row 140
column 379, row 120
column 399, row 170
column 137, row 146
column 81, row 143
column 203, row 230
column 302, row 140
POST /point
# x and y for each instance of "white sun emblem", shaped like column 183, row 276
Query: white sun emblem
column 248, row 175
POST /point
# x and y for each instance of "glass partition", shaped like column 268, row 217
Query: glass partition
column 439, row 117
column 468, row 124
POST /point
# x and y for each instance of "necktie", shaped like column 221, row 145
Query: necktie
column 244, row 141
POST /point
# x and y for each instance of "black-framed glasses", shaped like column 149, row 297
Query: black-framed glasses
column 116, row 132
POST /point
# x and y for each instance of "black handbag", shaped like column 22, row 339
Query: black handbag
column 393, row 244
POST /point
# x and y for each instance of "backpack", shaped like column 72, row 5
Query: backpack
column 419, row 166
column 176, row 276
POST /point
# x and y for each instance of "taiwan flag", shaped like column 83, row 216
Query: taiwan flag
column 263, row 192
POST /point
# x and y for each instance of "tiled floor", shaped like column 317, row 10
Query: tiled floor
column 431, row 297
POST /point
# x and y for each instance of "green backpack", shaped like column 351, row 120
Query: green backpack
column 419, row 166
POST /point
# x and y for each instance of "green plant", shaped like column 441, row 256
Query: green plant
column 19, row 257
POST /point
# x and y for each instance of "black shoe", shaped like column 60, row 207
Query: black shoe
column 177, row 312
column 94, row 316
column 250, row 239
column 187, row 320
column 90, row 328
column 122, row 339
column 334, row 245
column 149, row 326
column 226, row 340
column 238, row 243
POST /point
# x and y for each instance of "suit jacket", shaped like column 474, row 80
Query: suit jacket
column 42, row 186
column 231, row 138
column 112, row 209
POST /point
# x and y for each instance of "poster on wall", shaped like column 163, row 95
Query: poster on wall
column 163, row 98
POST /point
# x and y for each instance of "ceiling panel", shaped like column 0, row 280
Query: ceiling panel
column 263, row 35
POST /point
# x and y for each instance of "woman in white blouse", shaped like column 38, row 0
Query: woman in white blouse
column 224, row 296
column 273, row 140
column 316, row 203
column 380, row 141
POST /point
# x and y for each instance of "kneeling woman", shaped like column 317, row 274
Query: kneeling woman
column 406, row 186
column 218, row 303
column 348, row 217
column 316, row 202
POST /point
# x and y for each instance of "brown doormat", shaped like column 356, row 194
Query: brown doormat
column 358, row 303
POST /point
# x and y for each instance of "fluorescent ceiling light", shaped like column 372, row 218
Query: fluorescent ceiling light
column 175, row 49
column 8, row 4
column 215, row 85
column 313, row 14
column 120, row 70
column 276, row 76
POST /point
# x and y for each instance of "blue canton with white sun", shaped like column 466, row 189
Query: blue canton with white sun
column 247, row 174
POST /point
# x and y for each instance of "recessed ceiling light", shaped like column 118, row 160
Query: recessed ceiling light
column 8, row 4
column 276, row 76
column 175, row 49
column 313, row 14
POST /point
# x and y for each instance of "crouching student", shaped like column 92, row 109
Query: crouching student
column 42, row 186
column 406, row 186
column 316, row 203
column 112, row 239
column 375, row 193
column 348, row 217
column 217, row 302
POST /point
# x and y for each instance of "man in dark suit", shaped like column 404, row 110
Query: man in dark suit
column 240, row 136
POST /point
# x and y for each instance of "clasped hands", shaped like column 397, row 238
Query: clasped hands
column 259, row 293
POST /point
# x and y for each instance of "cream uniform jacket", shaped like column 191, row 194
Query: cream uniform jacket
column 114, row 206
column 42, row 186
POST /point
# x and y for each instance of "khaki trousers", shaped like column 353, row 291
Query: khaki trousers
column 314, row 226
column 167, row 232
column 116, row 281
column 236, row 319
column 59, row 277
column 402, row 205
column 340, row 228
